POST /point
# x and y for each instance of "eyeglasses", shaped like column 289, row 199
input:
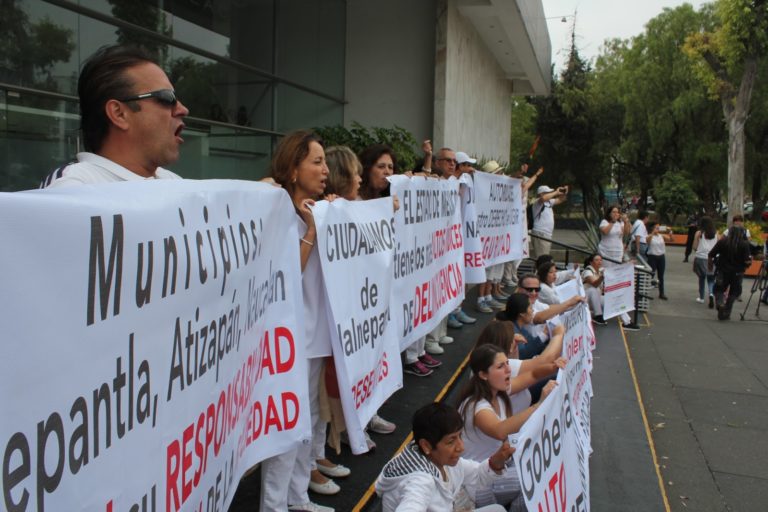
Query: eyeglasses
column 448, row 160
column 532, row 289
column 391, row 167
column 165, row 97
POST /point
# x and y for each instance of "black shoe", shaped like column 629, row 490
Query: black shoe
column 663, row 297
column 685, row 260
column 632, row 326
column 599, row 320
column 711, row 301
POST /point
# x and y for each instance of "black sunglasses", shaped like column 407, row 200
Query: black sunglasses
column 532, row 288
column 164, row 96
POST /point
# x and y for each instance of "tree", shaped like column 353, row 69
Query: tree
column 569, row 131
column 727, row 60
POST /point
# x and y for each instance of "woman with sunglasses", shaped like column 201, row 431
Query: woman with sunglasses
column 489, row 420
column 298, row 165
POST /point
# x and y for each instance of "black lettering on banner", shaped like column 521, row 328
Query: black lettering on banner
column 86, row 435
column 101, row 273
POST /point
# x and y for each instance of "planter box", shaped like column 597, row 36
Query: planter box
column 678, row 239
column 753, row 269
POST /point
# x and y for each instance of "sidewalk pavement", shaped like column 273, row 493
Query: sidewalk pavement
column 704, row 385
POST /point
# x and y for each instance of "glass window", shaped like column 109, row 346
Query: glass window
column 37, row 135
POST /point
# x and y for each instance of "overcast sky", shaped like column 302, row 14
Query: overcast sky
column 598, row 20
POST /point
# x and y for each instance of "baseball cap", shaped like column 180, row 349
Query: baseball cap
column 544, row 190
column 463, row 158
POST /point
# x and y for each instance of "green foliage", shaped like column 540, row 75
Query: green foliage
column 675, row 196
column 29, row 51
column 358, row 137
column 523, row 131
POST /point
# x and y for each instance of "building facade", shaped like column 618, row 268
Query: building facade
column 252, row 70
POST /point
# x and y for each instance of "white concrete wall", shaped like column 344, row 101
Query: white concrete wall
column 472, row 96
column 390, row 64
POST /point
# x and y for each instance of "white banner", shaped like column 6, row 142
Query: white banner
column 619, row 290
column 500, row 218
column 570, row 288
column 551, row 464
column 152, row 350
column 429, row 258
column 474, row 266
column 577, row 349
column 553, row 446
column 357, row 242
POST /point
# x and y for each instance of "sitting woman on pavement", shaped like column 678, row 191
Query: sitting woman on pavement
column 489, row 420
column 525, row 372
column 430, row 475
column 592, row 277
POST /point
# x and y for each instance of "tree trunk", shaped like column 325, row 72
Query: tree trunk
column 735, row 110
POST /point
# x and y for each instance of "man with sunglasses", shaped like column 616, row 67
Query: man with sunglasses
column 445, row 163
column 131, row 121
column 530, row 285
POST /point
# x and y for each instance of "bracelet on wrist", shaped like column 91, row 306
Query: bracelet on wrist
column 304, row 240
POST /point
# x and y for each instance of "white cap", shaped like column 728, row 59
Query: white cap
column 463, row 158
column 544, row 190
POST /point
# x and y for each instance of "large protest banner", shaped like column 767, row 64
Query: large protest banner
column 474, row 266
column 619, row 290
column 152, row 347
column 429, row 256
column 500, row 218
column 357, row 243
column 553, row 446
column 552, row 465
column 577, row 349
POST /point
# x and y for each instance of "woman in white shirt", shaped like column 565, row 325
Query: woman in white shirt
column 703, row 242
column 547, row 273
column 430, row 474
column 613, row 228
column 489, row 420
column 298, row 165
column 592, row 277
column 656, row 254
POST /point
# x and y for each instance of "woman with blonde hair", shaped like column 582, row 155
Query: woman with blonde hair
column 345, row 173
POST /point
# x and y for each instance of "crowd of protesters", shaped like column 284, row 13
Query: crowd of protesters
column 132, row 123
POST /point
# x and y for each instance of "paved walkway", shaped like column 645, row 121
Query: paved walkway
column 704, row 385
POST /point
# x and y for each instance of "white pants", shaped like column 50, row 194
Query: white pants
column 510, row 272
column 416, row 349
column 540, row 247
column 439, row 331
column 595, row 300
column 277, row 490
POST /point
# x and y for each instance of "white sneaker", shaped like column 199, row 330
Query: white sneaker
column 380, row 426
column 310, row 507
column 329, row 488
column 337, row 471
column 483, row 307
column 445, row 340
column 699, row 300
column 433, row 347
